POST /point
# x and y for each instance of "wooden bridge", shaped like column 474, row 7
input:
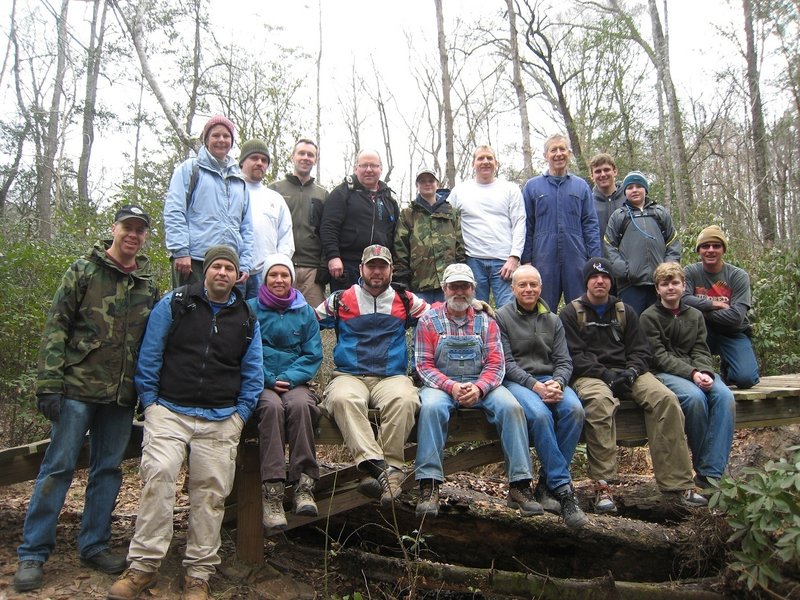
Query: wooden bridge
column 774, row 401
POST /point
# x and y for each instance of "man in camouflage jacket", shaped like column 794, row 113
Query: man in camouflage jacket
column 428, row 239
column 85, row 383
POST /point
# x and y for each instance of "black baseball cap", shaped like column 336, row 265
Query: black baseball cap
column 131, row 211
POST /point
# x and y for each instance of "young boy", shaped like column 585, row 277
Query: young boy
column 639, row 237
column 677, row 336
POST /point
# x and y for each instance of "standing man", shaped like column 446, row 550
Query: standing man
column 493, row 225
column 428, row 239
column 562, row 231
column 611, row 362
column 370, row 371
column 459, row 357
column 198, row 378
column 639, row 237
column 305, row 199
column 538, row 368
column 207, row 204
column 359, row 212
column 272, row 222
column 608, row 195
column 85, row 383
column 722, row 293
column 677, row 336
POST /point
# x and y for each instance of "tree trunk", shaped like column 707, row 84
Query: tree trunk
column 519, row 89
column 758, row 132
column 191, row 108
column 45, row 163
column 93, row 60
column 134, row 27
column 447, row 84
column 319, row 86
column 680, row 162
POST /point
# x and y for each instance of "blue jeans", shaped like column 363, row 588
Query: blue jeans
column 110, row 428
column 554, row 430
column 487, row 277
column 738, row 362
column 431, row 296
column 639, row 296
column 502, row 411
column 252, row 284
column 709, row 425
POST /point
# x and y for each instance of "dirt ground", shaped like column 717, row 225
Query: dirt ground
column 292, row 571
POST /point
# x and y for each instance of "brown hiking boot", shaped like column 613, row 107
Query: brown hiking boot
column 274, row 518
column 132, row 583
column 195, row 588
column 304, row 504
column 391, row 481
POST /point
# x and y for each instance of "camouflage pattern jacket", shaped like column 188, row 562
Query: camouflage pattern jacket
column 93, row 331
column 428, row 238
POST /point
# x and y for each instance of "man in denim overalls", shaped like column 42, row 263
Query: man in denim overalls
column 459, row 357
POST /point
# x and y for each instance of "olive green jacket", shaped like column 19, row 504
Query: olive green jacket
column 93, row 330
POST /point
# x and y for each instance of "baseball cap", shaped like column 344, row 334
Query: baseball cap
column 376, row 251
column 426, row 171
column 458, row 272
column 131, row 211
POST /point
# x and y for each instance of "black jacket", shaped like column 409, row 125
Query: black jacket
column 353, row 220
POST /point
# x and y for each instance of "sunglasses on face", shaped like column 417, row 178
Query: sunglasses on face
column 710, row 246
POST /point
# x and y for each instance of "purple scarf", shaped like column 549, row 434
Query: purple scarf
column 270, row 300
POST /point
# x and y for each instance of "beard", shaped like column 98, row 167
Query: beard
column 459, row 303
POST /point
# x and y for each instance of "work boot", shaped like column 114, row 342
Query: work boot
column 370, row 487
column 304, row 504
column 603, row 501
column 521, row 497
column 29, row 575
column 274, row 517
column 391, row 481
column 132, row 583
column 428, row 503
column 571, row 511
column 545, row 497
column 106, row 561
column 195, row 588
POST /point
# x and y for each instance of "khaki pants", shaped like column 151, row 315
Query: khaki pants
column 304, row 281
column 212, row 463
column 663, row 420
column 348, row 399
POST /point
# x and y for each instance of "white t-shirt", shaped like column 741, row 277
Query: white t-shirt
column 272, row 224
column 492, row 218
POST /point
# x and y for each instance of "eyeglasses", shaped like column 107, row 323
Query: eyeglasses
column 710, row 246
column 369, row 166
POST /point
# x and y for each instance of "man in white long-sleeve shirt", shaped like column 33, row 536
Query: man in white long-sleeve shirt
column 272, row 221
column 493, row 226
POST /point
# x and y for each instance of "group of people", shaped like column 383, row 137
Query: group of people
column 239, row 335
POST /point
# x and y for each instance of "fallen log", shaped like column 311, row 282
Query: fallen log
column 421, row 574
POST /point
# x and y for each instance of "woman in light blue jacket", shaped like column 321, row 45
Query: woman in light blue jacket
column 207, row 204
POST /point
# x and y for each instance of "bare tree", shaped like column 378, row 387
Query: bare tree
column 447, row 110
column 519, row 89
column 45, row 162
column 758, row 131
column 94, row 54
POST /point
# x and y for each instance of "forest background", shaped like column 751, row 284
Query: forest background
column 102, row 98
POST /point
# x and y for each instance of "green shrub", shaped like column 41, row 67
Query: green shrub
column 763, row 510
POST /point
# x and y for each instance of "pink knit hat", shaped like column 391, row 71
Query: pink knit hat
column 218, row 120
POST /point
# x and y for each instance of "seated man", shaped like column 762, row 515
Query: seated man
column 611, row 359
column 722, row 293
column 287, row 410
column 677, row 336
column 538, row 367
column 371, row 364
column 459, row 357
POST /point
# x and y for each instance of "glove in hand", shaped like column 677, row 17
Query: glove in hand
column 50, row 405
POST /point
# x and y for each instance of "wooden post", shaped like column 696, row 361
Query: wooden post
column 247, row 491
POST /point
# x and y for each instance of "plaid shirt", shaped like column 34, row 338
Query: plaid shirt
column 426, row 340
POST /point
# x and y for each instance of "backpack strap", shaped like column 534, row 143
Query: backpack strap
column 402, row 291
column 179, row 306
column 195, row 176
column 619, row 313
column 335, row 303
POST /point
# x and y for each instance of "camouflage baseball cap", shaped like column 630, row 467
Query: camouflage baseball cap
column 376, row 251
column 458, row 272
